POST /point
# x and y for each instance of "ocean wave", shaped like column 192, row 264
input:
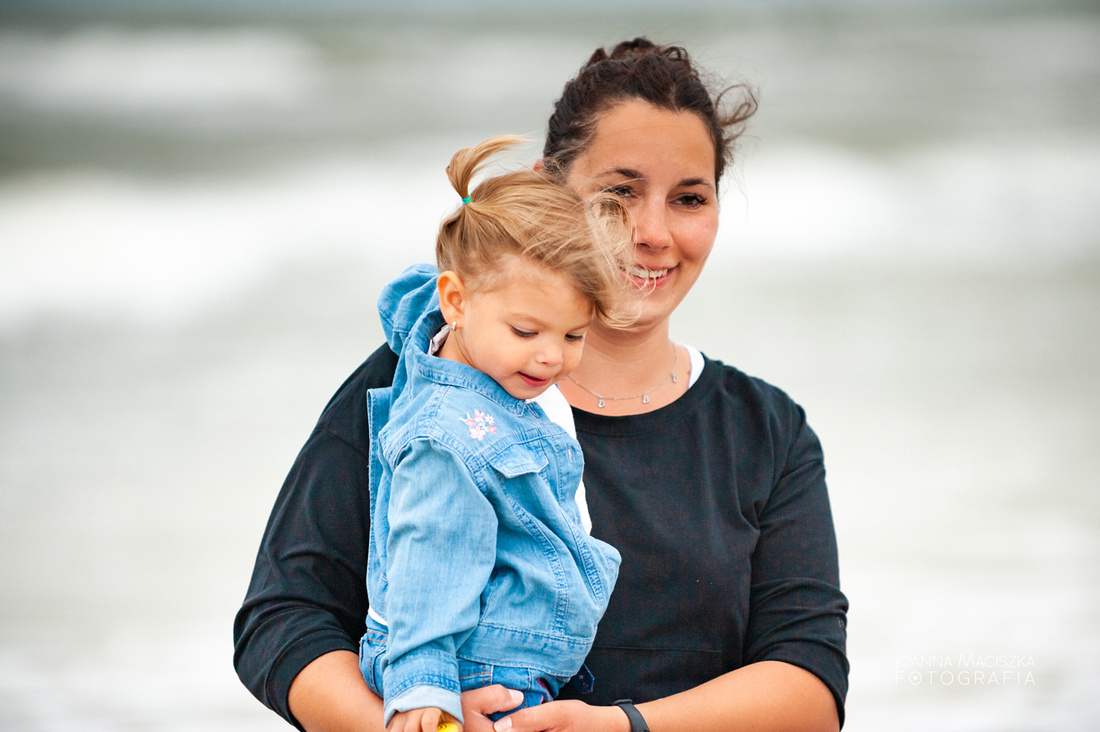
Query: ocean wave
column 114, row 72
column 81, row 242
column 968, row 199
column 93, row 242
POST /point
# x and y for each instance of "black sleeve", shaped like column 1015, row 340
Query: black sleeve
column 308, row 591
column 797, row 611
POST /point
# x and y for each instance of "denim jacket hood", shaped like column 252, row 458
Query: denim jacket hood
column 474, row 491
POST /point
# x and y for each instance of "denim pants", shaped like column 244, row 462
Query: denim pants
column 536, row 687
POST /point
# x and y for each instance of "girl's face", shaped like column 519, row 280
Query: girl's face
column 662, row 164
column 526, row 333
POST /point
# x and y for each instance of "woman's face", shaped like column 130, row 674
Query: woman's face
column 662, row 164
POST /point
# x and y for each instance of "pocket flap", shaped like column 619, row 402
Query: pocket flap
column 517, row 460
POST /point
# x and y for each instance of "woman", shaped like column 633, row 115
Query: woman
column 728, row 612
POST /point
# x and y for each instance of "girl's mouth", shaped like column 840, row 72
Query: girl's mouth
column 532, row 381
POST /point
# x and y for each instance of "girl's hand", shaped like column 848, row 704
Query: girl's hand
column 565, row 716
column 425, row 719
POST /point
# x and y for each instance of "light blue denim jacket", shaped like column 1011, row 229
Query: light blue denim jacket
column 477, row 552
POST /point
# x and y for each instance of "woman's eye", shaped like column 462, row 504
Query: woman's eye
column 620, row 191
column 692, row 200
column 523, row 333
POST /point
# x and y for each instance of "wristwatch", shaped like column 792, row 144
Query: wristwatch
column 637, row 722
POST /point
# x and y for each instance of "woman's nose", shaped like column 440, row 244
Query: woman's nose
column 651, row 225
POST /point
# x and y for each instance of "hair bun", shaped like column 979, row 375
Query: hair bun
column 637, row 47
column 634, row 49
column 640, row 49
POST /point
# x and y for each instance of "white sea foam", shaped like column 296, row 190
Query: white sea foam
column 88, row 241
column 125, row 73
column 965, row 200
column 103, row 238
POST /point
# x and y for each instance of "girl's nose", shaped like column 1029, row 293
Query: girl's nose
column 550, row 354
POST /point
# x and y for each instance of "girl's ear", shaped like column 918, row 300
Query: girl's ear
column 452, row 296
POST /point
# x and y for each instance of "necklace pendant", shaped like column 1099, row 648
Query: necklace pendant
column 645, row 398
column 675, row 378
column 600, row 404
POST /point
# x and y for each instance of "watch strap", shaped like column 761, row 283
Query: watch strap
column 637, row 721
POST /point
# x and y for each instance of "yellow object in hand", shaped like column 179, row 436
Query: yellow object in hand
column 445, row 726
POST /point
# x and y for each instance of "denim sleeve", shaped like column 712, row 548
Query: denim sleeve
column 797, row 611
column 441, row 551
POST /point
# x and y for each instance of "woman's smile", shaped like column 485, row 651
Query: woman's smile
column 661, row 164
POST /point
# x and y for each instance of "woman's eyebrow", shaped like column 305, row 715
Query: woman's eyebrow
column 631, row 174
column 624, row 172
column 689, row 182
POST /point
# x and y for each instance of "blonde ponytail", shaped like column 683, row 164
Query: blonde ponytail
column 469, row 161
column 531, row 214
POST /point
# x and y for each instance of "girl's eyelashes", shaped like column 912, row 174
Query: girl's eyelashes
column 521, row 333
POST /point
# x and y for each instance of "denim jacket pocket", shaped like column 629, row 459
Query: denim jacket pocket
column 517, row 460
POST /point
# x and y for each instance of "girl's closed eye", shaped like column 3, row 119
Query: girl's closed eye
column 523, row 333
column 574, row 337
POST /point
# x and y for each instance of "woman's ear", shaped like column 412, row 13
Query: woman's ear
column 452, row 296
column 539, row 166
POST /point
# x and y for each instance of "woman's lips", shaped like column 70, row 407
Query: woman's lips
column 646, row 277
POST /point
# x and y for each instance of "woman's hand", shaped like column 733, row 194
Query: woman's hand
column 769, row 696
column 478, row 704
column 565, row 716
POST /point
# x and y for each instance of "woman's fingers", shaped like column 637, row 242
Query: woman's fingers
column 491, row 699
column 534, row 719
column 564, row 716
column 478, row 704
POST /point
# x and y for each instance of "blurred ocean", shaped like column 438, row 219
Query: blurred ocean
column 198, row 206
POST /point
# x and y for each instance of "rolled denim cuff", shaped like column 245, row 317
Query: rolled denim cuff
column 418, row 697
column 425, row 678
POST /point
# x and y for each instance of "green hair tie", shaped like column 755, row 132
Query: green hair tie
column 465, row 200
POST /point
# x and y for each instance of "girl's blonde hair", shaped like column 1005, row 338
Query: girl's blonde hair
column 529, row 213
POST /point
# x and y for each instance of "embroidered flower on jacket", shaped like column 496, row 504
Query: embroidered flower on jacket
column 480, row 424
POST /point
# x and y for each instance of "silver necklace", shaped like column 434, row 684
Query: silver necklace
column 644, row 395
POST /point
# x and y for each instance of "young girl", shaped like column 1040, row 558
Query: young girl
column 480, row 568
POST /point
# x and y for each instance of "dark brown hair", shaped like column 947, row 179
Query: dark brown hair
column 532, row 214
column 665, row 77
